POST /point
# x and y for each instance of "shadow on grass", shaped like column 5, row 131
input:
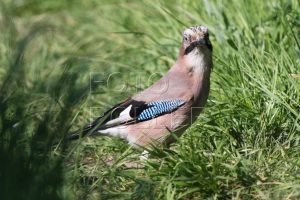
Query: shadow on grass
column 32, row 118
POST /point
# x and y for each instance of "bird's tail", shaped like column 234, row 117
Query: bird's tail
column 92, row 128
column 88, row 130
column 80, row 133
column 97, row 124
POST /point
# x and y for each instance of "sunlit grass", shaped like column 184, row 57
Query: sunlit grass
column 55, row 60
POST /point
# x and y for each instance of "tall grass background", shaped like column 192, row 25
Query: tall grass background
column 56, row 57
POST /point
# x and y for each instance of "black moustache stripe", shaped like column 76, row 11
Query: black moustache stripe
column 195, row 44
column 190, row 48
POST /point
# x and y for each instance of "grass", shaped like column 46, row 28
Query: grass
column 55, row 57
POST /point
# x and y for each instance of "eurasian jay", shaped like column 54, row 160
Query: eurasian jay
column 170, row 105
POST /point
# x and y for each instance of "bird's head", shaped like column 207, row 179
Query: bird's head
column 195, row 38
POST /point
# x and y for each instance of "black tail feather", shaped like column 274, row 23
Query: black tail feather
column 97, row 124
column 91, row 128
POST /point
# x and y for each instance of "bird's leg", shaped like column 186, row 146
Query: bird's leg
column 144, row 155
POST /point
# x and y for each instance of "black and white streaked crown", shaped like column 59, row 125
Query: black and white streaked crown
column 192, row 30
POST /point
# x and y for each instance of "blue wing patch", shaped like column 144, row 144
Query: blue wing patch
column 157, row 108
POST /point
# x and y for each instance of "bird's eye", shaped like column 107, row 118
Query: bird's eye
column 185, row 39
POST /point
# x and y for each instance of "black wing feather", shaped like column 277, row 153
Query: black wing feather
column 112, row 113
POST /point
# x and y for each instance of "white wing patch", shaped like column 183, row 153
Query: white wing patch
column 123, row 117
column 117, row 131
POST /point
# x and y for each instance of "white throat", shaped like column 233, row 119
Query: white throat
column 196, row 61
column 198, row 65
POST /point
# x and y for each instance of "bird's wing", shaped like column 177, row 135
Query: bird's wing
column 129, row 112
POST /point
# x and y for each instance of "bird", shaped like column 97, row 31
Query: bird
column 168, row 106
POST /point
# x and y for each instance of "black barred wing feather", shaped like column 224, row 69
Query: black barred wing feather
column 157, row 108
column 136, row 111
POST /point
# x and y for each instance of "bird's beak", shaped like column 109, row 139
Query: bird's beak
column 201, row 42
